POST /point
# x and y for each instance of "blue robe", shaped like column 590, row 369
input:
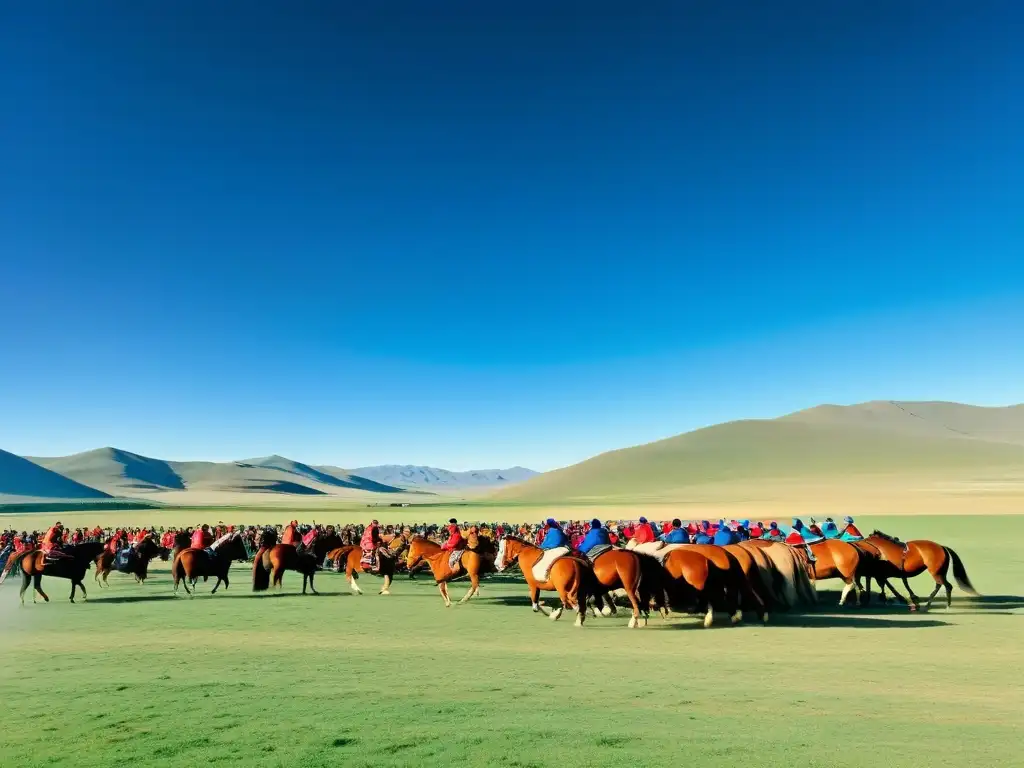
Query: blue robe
column 702, row 538
column 595, row 537
column 831, row 530
column 676, row 536
column 555, row 537
column 724, row 536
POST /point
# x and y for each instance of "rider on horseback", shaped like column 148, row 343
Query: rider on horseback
column 369, row 544
column 596, row 536
column 851, row 532
column 53, row 542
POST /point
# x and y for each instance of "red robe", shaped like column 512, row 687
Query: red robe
column 201, row 539
column 290, row 536
column 52, row 538
column 455, row 540
column 795, row 538
column 643, row 533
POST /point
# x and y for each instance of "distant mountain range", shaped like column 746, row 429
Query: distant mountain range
column 108, row 472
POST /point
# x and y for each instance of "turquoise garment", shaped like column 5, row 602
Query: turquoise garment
column 831, row 530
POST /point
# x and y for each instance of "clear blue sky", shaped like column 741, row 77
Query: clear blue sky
column 491, row 233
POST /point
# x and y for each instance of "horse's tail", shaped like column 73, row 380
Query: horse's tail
column 960, row 573
column 652, row 585
column 13, row 565
column 260, row 575
column 177, row 570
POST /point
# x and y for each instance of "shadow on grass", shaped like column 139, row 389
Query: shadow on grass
column 812, row 621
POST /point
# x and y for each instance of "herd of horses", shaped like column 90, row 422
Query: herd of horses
column 753, row 577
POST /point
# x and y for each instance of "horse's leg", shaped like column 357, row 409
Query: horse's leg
column 535, row 598
column 386, row 590
column 910, row 592
column 563, row 595
column 846, row 591
column 37, row 582
column 215, row 586
column 474, row 584
column 443, row 587
column 631, row 594
column 311, row 588
column 928, row 605
column 26, row 579
column 82, row 587
column 350, row 572
column 227, row 581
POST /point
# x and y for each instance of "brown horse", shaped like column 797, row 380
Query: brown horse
column 736, row 581
column 34, row 565
column 920, row 555
column 571, row 577
column 695, row 583
column 350, row 559
column 789, row 574
column 273, row 559
column 622, row 569
column 138, row 564
column 189, row 564
column 473, row 563
column 182, row 540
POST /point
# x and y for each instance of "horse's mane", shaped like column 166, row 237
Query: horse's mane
column 521, row 541
column 886, row 536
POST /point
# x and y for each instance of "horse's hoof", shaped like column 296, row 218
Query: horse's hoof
column 913, row 608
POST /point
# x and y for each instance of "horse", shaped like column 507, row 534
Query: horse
column 473, row 563
column 790, row 573
column 182, row 540
column 350, row 558
column 736, row 581
column 189, row 564
column 920, row 555
column 622, row 569
column 273, row 559
column 138, row 565
column 571, row 577
column 694, row 582
column 34, row 565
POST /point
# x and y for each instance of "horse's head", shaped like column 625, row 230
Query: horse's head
column 418, row 547
column 268, row 538
column 509, row 549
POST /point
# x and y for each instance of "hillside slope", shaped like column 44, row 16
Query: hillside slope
column 821, row 446
column 331, row 476
column 23, row 479
column 115, row 470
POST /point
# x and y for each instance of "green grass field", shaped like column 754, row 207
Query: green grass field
column 136, row 676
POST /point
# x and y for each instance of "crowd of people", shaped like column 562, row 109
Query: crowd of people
column 575, row 534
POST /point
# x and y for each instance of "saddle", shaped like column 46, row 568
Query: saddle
column 806, row 547
column 455, row 559
column 595, row 552
column 369, row 559
column 542, row 568
column 123, row 559
column 649, row 548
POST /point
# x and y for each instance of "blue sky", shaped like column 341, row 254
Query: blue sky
column 482, row 234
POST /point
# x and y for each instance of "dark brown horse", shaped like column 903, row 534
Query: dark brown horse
column 35, row 564
column 571, row 577
column 138, row 564
column 473, row 563
column 191, row 564
column 919, row 555
column 350, row 559
column 273, row 559
column 182, row 540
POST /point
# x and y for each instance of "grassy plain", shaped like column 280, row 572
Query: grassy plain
column 137, row 676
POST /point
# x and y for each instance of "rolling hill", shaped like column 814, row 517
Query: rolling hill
column 899, row 445
column 21, row 479
column 432, row 478
column 122, row 473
